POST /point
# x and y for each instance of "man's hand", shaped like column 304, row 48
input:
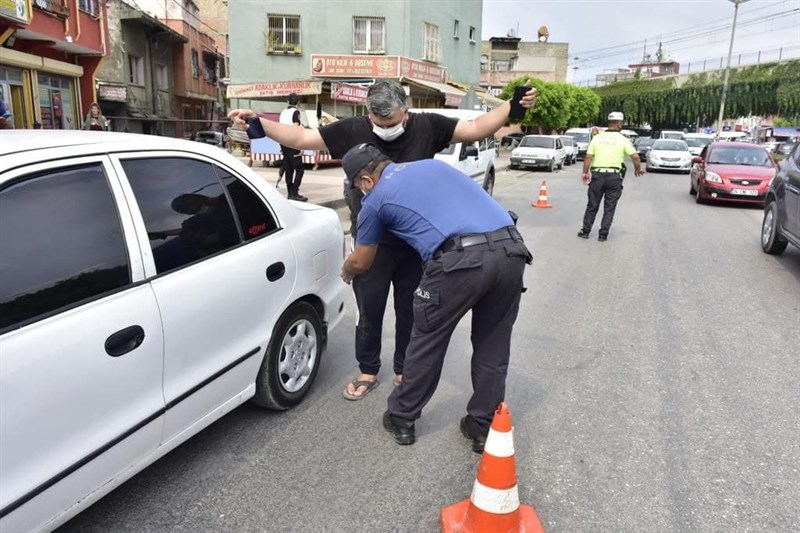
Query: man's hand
column 347, row 278
column 638, row 172
column 239, row 116
column 530, row 97
column 586, row 178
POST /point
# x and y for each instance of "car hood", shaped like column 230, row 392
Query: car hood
column 670, row 153
column 741, row 171
column 532, row 151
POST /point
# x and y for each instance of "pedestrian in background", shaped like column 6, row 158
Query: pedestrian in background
column 292, row 164
column 403, row 137
column 602, row 168
column 95, row 119
column 474, row 261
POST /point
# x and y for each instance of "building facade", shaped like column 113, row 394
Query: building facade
column 49, row 53
column 506, row 58
column 332, row 54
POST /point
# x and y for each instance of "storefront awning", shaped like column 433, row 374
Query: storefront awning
column 452, row 95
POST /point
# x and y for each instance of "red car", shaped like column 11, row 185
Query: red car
column 732, row 172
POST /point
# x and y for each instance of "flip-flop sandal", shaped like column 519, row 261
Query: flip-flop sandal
column 356, row 384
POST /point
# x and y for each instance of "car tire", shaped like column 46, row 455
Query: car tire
column 552, row 165
column 771, row 241
column 692, row 190
column 292, row 359
column 699, row 195
column 488, row 184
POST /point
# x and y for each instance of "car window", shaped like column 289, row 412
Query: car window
column 186, row 212
column 581, row 137
column 254, row 217
column 61, row 242
column 537, row 142
column 748, row 156
column 490, row 143
column 672, row 146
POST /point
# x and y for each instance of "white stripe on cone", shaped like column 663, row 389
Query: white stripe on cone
column 499, row 444
column 496, row 501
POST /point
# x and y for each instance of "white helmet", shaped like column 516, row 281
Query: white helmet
column 616, row 115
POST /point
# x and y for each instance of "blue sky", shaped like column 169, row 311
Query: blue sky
column 606, row 34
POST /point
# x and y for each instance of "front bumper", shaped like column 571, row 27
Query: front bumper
column 669, row 165
column 714, row 191
column 522, row 161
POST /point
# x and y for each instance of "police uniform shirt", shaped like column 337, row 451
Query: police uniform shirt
column 608, row 150
column 408, row 202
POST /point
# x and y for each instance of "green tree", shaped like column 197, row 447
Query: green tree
column 558, row 105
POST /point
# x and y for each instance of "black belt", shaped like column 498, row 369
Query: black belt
column 474, row 239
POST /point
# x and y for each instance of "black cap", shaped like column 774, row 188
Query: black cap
column 359, row 157
column 293, row 99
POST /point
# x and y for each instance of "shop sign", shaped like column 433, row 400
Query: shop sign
column 272, row 89
column 17, row 10
column 113, row 93
column 345, row 92
column 332, row 66
column 420, row 70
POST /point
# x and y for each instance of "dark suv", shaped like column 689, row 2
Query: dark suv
column 781, row 224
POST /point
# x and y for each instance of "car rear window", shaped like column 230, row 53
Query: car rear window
column 537, row 142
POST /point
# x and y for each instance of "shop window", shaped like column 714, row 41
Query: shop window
column 135, row 70
column 283, row 34
column 369, row 35
column 431, row 46
column 195, row 64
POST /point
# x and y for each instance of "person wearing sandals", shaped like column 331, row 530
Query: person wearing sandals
column 403, row 137
column 474, row 259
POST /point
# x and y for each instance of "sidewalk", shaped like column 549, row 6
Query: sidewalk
column 323, row 186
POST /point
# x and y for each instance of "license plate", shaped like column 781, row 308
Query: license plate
column 745, row 192
column 529, row 161
column 671, row 164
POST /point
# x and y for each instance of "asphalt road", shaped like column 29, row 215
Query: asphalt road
column 654, row 386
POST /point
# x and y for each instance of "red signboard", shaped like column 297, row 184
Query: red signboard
column 345, row 92
column 420, row 70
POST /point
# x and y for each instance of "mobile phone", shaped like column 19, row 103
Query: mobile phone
column 517, row 111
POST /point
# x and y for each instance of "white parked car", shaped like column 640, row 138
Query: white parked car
column 697, row 141
column 476, row 159
column 539, row 151
column 571, row 148
column 671, row 134
column 148, row 286
column 582, row 136
column 669, row 154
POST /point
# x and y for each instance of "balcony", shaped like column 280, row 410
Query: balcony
column 59, row 8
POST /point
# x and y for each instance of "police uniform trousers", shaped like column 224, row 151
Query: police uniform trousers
column 605, row 186
column 487, row 280
column 398, row 265
column 293, row 169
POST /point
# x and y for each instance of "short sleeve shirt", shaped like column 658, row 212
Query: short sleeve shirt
column 407, row 202
column 608, row 149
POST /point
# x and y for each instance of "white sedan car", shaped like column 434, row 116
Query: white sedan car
column 669, row 154
column 148, row 286
column 539, row 151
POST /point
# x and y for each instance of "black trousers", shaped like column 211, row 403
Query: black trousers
column 293, row 169
column 487, row 280
column 606, row 186
column 396, row 265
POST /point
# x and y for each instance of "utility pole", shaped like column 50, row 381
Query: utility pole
column 728, row 66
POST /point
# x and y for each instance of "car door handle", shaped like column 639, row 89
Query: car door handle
column 276, row 271
column 124, row 341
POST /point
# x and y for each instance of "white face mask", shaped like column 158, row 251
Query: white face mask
column 388, row 134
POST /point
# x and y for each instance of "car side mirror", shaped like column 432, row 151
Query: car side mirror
column 698, row 160
column 471, row 151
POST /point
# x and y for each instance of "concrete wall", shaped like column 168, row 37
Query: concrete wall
column 546, row 61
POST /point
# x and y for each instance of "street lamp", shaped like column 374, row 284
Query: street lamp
column 728, row 66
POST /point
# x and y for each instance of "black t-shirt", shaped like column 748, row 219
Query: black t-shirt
column 425, row 135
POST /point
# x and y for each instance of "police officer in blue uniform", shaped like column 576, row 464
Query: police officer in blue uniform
column 474, row 259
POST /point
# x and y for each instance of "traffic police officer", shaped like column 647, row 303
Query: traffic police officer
column 474, row 260
column 604, row 158
column 292, row 164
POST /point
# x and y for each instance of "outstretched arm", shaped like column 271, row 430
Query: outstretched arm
column 289, row 135
column 488, row 123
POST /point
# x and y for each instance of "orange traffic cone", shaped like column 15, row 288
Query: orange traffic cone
column 494, row 505
column 542, row 201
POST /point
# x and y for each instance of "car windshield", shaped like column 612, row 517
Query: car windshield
column 670, row 146
column 672, row 135
column 567, row 141
column 697, row 142
column 644, row 142
column 537, row 142
column 755, row 156
column 580, row 137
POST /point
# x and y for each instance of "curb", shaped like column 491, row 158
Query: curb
column 334, row 204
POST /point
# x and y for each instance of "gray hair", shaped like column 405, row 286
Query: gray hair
column 384, row 96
